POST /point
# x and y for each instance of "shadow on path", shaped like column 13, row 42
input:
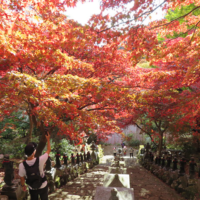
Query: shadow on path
column 146, row 185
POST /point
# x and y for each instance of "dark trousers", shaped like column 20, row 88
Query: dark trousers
column 131, row 155
column 42, row 192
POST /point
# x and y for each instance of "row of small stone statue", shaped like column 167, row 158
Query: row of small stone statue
column 79, row 158
column 9, row 170
column 166, row 163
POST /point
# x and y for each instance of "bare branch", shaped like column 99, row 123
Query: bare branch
column 128, row 21
column 102, row 108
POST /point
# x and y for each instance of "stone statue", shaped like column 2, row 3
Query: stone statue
column 93, row 146
column 162, row 161
column 156, row 160
column 169, row 160
column 175, row 162
column 9, row 171
column 114, row 194
column 88, row 155
column 192, row 166
column 152, row 157
column 119, row 150
column 182, row 166
column 65, row 158
column 58, row 164
column 159, row 160
column 72, row 159
column 81, row 155
column 85, row 157
column 147, row 147
column 48, row 164
column 77, row 159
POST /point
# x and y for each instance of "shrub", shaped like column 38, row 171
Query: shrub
column 131, row 141
column 64, row 147
column 134, row 143
column 14, row 148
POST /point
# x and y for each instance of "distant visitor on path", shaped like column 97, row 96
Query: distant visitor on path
column 124, row 150
column 131, row 152
column 147, row 147
column 32, row 171
column 122, row 144
column 114, row 151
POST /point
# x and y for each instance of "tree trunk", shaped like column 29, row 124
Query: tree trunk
column 29, row 138
column 42, row 142
column 41, row 145
column 160, row 143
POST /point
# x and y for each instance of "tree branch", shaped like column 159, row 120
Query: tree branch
column 145, row 132
column 128, row 21
column 176, row 18
column 194, row 31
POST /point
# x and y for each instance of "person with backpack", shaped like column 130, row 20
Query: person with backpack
column 32, row 171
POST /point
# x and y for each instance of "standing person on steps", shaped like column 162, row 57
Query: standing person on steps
column 131, row 152
column 32, row 170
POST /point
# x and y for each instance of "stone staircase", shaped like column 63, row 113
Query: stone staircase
column 82, row 187
column 146, row 185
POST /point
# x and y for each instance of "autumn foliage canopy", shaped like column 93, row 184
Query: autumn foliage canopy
column 89, row 77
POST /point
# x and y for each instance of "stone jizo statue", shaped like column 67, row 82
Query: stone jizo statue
column 163, row 161
column 81, row 155
column 192, row 166
column 182, row 166
column 114, row 194
column 175, row 162
column 65, row 158
column 88, row 155
column 85, row 156
column 77, row 159
column 9, row 171
column 48, row 164
column 169, row 160
column 72, row 159
column 58, row 164
column 147, row 147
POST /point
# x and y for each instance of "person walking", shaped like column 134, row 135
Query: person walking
column 32, row 171
column 114, row 151
column 124, row 150
column 131, row 152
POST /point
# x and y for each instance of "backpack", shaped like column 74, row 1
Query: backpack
column 33, row 175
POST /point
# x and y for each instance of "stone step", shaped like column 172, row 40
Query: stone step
column 82, row 187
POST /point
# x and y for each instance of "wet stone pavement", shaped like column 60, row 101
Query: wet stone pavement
column 146, row 185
